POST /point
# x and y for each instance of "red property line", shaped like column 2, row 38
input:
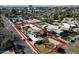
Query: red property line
column 27, row 41
column 57, row 48
column 63, row 43
column 43, row 30
column 24, row 23
column 51, row 35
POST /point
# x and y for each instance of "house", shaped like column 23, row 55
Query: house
column 77, row 22
column 52, row 27
column 67, row 19
column 70, row 21
column 35, row 39
column 34, row 27
column 58, row 31
column 76, row 29
column 16, row 20
column 72, row 24
column 33, row 20
column 65, row 26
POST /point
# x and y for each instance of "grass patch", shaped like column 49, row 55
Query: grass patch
column 6, row 42
column 41, row 23
column 45, row 47
column 41, row 48
column 69, row 36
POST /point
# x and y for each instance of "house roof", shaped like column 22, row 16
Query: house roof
column 34, row 38
column 34, row 20
column 77, row 22
column 52, row 27
column 65, row 26
column 67, row 19
column 34, row 27
column 58, row 31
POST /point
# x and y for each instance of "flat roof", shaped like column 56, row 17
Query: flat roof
column 34, row 38
column 58, row 31
column 34, row 27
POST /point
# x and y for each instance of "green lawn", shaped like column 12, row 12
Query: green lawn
column 41, row 23
column 66, row 38
column 69, row 36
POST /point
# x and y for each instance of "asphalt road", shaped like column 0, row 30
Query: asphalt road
column 19, row 40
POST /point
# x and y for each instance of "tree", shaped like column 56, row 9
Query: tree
column 55, row 16
column 6, row 42
column 13, row 11
column 6, row 15
column 2, row 24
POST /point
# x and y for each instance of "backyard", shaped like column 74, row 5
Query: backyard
column 45, row 47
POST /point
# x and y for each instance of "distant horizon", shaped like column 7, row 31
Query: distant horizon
column 39, row 5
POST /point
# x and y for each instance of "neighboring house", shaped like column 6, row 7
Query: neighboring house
column 72, row 24
column 76, row 29
column 33, row 20
column 70, row 21
column 16, row 20
column 52, row 27
column 65, row 26
column 77, row 22
column 35, row 39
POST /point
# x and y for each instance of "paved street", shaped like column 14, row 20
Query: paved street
column 19, row 41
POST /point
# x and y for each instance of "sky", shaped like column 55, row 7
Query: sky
column 39, row 2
